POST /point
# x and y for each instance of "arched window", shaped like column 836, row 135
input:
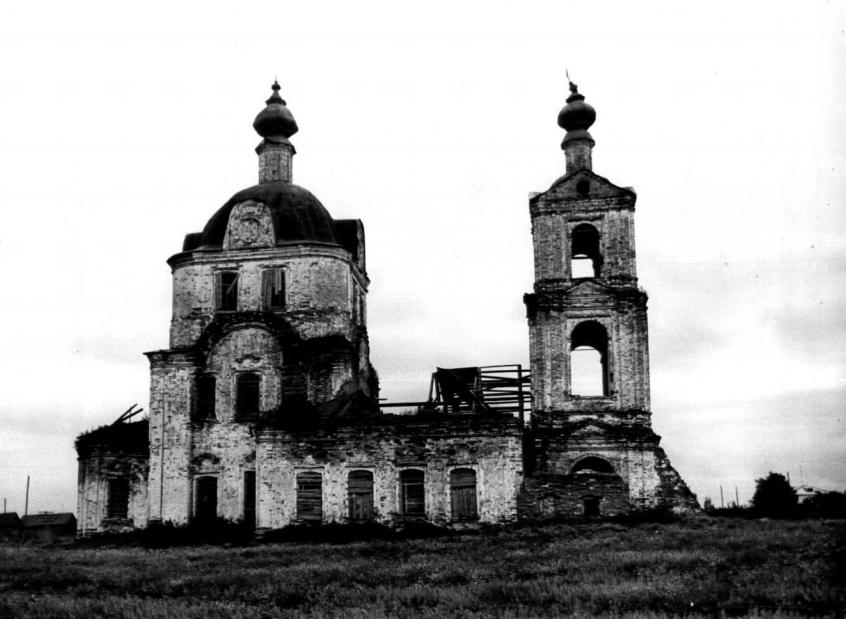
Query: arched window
column 310, row 496
column 585, row 259
column 592, row 464
column 247, row 394
column 360, row 495
column 589, row 360
column 412, row 494
column 206, row 507
column 462, row 485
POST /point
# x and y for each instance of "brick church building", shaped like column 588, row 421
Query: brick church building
column 264, row 408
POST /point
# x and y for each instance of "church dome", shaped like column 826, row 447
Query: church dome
column 275, row 122
column 297, row 215
column 576, row 115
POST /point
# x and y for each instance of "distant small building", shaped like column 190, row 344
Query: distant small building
column 49, row 527
column 803, row 493
column 10, row 526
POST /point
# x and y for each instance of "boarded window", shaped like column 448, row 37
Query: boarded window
column 226, row 291
column 273, row 289
column 206, row 387
column 360, row 495
column 462, row 484
column 118, row 506
column 206, row 498
column 412, row 494
column 249, row 499
column 247, row 394
column 309, row 496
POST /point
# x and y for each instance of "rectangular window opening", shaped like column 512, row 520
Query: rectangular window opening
column 206, row 508
column 250, row 499
column 206, row 392
column 226, row 291
column 118, row 506
column 247, row 395
column 273, row 285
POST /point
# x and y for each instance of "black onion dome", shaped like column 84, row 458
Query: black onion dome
column 298, row 216
column 576, row 115
column 275, row 121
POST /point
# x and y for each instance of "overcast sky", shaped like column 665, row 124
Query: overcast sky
column 124, row 127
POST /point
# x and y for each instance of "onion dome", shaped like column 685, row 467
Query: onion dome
column 275, row 122
column 576, row 115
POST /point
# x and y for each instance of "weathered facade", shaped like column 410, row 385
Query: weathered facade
column 264, row 408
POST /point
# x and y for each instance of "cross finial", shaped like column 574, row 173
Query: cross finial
column 574, row 89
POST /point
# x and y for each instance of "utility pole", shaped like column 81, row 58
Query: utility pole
column 722, row 503
column 736, row 498
column 26, row 504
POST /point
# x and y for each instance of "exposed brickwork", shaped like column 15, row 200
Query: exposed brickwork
column 490, row 446
column 106, row 454
column 615, row 427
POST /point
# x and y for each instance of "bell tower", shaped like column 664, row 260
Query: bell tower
column 585, row 294
column 593, row 446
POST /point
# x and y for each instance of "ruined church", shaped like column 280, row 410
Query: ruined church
column 265, row 408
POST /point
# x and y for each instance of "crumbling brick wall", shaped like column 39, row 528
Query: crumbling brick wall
column 112, row 453
column 490, row 446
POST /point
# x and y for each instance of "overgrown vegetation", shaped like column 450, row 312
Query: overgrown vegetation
column 774, row 497
column 698, row 567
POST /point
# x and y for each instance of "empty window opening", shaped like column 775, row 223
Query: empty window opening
column 585, row 259
column 247, row 394
column 249, row 499
column 592, row 464
column 206, row 499
column 412, row 498
column 226, row 291
column 589, row 360
column 591, row 507
column 462, row 484
column 118, row 505
column 360, row 495
column 586, row 372
column 273, row 286
column 309, row 496
column 206, row 391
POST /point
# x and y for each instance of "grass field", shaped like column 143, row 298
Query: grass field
column 700, row 567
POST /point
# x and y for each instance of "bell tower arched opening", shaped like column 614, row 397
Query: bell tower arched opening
column 585, row 258
column 589, row 360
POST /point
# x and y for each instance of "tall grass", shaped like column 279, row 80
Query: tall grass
column 703, row 567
